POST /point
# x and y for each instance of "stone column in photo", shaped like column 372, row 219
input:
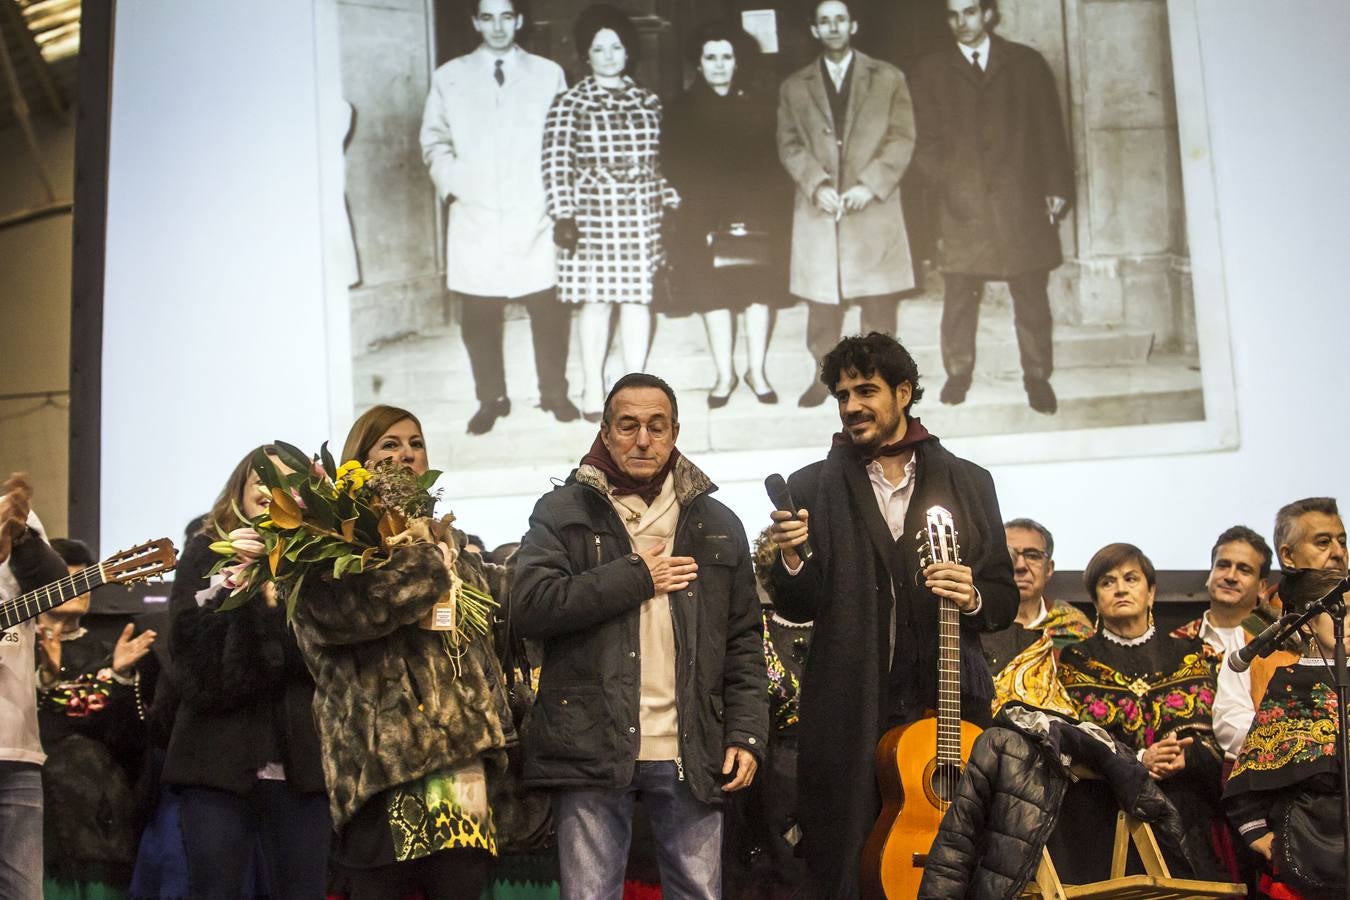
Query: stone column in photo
column 1126, row 259
column 386, row 58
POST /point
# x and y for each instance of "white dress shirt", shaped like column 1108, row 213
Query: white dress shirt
column 982, row 49
column 1222, row 640
column 838, row 70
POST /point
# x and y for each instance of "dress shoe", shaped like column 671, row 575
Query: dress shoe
column 717, row 401
column 563, row 410
column 769, row 395
column 815, row 395
column 954, row 391
column 1041, row 395
column 488, row 414
column 593, row 416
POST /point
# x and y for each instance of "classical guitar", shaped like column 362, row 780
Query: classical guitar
column 129, row 566
column 919, row 764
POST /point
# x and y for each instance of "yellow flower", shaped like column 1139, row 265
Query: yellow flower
column 351, row 477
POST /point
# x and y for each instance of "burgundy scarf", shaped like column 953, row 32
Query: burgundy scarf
column 622, row 484
column 915, row 433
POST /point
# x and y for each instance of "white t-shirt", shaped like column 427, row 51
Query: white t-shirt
column 19, row 740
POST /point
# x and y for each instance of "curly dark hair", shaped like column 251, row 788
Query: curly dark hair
column 873, row 354
column 597, row 18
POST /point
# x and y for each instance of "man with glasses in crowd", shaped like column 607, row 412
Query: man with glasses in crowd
column 1042, row 627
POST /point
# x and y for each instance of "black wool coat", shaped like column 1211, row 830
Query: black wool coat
column 247, row 697
column 1008, row 802
column 993, row 147
column 720, row 154
column 846, row 589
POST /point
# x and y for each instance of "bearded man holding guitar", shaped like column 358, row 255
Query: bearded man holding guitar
column 874, row 658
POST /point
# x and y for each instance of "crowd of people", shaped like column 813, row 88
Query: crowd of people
column 326, row 742
column 727, row 204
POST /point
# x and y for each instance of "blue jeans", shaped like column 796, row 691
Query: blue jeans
column 20, row 831
column 222, row 830
column 596, row 825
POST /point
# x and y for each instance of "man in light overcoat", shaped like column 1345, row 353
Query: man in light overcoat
column 845, row 135
column 482, row 128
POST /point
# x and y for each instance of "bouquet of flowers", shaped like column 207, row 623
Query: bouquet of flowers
column 339, row 520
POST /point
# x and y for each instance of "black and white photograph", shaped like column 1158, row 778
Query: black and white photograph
column 545, row 196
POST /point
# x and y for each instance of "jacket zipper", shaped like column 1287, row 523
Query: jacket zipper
column 597, row 550
column 679, row 768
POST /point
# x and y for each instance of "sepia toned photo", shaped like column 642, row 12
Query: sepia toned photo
column 541, row 197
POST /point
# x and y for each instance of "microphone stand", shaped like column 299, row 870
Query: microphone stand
column 1333, row 604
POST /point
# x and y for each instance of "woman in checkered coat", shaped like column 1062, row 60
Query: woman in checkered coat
column 605, row 190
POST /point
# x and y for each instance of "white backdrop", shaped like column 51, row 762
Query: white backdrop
column 217, row 333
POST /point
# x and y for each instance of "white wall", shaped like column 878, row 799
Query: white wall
column 215, row 302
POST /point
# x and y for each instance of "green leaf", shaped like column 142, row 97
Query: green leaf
column 329, row 465
column 234, row 601
column 427, row 479
column 293, row 457
column 266, row 469
column 293, row 597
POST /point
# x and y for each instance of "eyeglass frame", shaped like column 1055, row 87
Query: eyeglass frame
column 1032, row 555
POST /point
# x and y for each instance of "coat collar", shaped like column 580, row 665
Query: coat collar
column 998, row 57
column 630, row 96
column 690, row 480
column 860, row 72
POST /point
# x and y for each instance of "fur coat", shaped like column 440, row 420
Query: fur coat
column 392, row 704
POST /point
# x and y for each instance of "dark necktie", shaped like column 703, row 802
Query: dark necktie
column 974, row 62
column 498, row 74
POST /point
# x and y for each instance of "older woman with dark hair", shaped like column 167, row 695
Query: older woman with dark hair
column 1150, row 691
column 606, row 193
column 719, row 151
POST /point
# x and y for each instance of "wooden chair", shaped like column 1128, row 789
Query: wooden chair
column 1156, row 884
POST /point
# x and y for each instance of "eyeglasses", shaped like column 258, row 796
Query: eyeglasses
column 1032, row 556
column 657, row 430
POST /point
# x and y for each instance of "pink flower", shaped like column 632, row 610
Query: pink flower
column 247, row 544
column 1176, row 701
column 1098, row 709
column 237, row 577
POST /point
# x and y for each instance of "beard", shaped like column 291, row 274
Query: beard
column 883, row 431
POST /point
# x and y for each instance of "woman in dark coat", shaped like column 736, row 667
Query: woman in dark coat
column 606, row 193
column 244, row 753
column 1152, row 692
column 719, row 152
column 90, row 719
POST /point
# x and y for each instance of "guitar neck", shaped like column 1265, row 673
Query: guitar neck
column 949, row 683
column 33, row 603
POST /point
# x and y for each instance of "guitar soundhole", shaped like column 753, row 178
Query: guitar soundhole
column 945, row 778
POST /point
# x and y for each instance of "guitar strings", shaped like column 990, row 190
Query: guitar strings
column 10, row 609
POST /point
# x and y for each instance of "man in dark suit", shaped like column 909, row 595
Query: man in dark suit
column 873, row 661
column 991, row 142
column 845, row 136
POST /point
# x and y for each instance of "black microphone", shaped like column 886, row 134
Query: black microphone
column 1261, row 645
column 781, row 498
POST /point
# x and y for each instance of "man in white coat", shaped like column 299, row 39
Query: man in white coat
column 482, row 128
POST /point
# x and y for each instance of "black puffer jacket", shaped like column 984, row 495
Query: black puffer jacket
column 989, row 844
column 578, row 588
